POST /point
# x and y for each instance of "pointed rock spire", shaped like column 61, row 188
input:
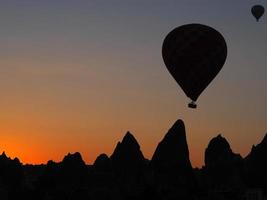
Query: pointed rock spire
column 127, row 153
column 172, row 151
column 171, row 164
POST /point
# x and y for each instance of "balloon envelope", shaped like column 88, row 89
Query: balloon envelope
column 194, row 54
column 257, row 11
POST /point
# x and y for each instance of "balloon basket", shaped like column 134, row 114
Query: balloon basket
column 192, row 105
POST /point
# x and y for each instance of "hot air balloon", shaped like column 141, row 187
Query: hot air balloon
column 257, row 11
column 194, row 54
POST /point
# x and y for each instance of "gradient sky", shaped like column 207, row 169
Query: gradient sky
column 76, row 75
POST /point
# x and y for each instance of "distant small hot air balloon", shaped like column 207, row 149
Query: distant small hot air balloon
column 257, row 11
column 194, row 54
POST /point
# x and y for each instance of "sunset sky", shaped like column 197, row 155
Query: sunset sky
column 76, row 75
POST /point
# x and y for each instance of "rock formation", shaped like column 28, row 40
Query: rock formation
column 171, row 163
column 102, row 163
column 256, row 165
column 127, row 155
column 223, row 167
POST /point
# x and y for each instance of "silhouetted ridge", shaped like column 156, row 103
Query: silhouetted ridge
column 264, row 140
column 127, row 175
column 127, row 153
column 63, row 178
column 223, row 167
column 172, row 152
column 73, row 159
column 73, row 166
column 129, row 139
column 256, row 165
column 3, row 155
column 128, row 164
column 217, row 151
column 171, row 164
column 11, row 176
column 102, row 162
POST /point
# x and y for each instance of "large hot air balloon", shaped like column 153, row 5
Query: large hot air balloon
column 257, row 11
column 194, row 54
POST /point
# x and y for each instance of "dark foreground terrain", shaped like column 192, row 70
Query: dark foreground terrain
column 126, row 174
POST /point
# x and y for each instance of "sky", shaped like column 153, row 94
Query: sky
column 77, row 75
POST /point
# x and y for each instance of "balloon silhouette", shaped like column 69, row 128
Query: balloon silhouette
column 194, row 54
column 257, row 11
